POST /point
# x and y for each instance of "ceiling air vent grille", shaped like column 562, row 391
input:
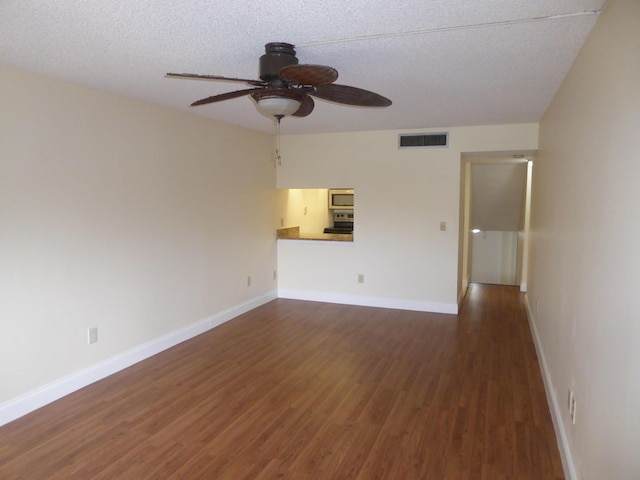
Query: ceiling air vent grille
column 421, row 140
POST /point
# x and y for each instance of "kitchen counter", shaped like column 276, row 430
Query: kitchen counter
column 293, row 233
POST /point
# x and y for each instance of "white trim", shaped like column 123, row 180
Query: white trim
column 563, row 442
column 360, row 300
column 46, row 394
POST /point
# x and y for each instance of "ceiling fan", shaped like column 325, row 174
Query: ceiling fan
column 287, row 87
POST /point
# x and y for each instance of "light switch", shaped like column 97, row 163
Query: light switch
column 443, row 226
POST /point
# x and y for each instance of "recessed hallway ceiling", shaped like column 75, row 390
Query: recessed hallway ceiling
column 442, row 62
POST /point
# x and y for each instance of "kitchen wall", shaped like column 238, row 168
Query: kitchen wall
column 585, row 236
column 402, row 198
column 307, row 208
column 116, row 214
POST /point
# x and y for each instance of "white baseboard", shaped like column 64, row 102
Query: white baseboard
column 364, row 301
column 563, row 443
column 42, row 396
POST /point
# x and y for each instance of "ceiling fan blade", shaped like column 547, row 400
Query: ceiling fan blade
column 256, row 83
column 309, row 74
column 306, row 107
column 350, row 96
column 225, row 96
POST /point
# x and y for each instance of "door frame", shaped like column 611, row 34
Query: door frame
column 467, row 159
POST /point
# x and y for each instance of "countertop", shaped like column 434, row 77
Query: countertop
column 293, row 233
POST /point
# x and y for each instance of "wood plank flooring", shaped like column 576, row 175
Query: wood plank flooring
column 304, row 390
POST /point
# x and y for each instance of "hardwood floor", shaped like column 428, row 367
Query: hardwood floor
column 303, row 390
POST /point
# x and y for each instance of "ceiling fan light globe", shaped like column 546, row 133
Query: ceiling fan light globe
column 277, row 106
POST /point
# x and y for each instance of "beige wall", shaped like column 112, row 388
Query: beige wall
column 401, row 198
column 585, row 262
column 133, row 218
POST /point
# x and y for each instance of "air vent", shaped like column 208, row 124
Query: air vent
column 421, row 140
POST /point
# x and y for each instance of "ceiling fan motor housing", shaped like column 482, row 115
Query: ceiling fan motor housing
column 277, row 55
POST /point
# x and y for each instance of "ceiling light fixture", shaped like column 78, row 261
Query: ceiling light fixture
column 278, row 102
column 277, row 106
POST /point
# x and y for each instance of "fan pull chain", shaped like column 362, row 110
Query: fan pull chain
column 278, row 157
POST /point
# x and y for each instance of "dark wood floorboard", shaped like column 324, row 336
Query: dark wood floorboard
column 304, row 390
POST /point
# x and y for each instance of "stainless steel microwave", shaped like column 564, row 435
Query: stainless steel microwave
column 341, row 198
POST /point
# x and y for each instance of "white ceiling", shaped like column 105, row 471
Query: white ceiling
column 442, row 62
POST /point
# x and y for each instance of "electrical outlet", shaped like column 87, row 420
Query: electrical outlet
column 360, row 278
column 275, row 274
column 249, row 281
column 93, row 335
column 443, row 226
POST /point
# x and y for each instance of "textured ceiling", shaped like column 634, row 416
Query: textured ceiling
column 441, row 62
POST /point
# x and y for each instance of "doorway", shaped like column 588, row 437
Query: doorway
column 496, row 191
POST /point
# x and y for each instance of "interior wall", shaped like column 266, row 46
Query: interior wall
column 524, row 234
column 494, row 259
column 465, row 249
column 585, row 237
column 402, row 198
column 520, row 254
column 120, row 215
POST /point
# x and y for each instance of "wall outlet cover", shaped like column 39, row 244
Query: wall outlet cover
column 93, row 335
